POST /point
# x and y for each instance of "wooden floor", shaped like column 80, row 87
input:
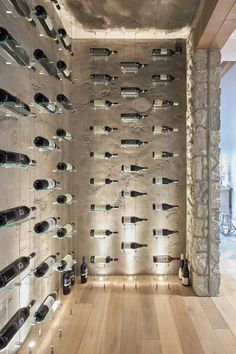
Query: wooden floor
column 143, row 320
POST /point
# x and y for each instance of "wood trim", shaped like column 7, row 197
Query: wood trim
column 226, row 66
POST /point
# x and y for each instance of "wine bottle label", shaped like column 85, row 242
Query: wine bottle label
column 126, row 245
column 180, row 273
column 69, row 198
column 49, row 301
column 20, row 266
column 51, row 223
column 185, row 281
column 163, row 77
column 158, row 180
column 127, row 168
column 68, row 228
column 164, row 51
column 68, row 136
column 84, row 274
column 158, row 232
column 69, row 167
column 126, row 194
column 67, row 72
column 158, row 103
column 157, row 130
column 99, row 181
column 127, row 220
column 51, row 145
column 100, row 103
column 21, row 212
column 157, row 155
column 99, row 156
column 51, row 184
column 99, row 207
column 52, row 106
column 68, row 259
column 21, row 321
column 49, row 23
column 161, row 259
column 99, row 130
column 50, row 261
column 67, row 40
column 158, row 207
column 99, row 233
column 129, row 118
column 99, row 259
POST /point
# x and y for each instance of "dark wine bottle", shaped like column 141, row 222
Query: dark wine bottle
column 102, row 52
column 159, row 103
column 102, row 181
column 10, row 329
column 102, row 207
column 42, row 184
column 102, row 155
column 162, row 78
column 72, row 275
column 132, row 194
column 163, row 206
column 65, row 166
column 20, row 7
column 10, row 216
column 47, row 65
column 45, row 225
column 185, row 274
column 63, row 135
column 66, row 283
column 132, row 219
column 132, row 245
column 132, row 117
column 45, row 103
column 44, row 267
column 101, row 130
column 45, row 144
column 9, row 158
column 83, row 271
column 65, row 102
column 62, row 68
column 65, row 230
column 102, row 104
column 45, row 307
column 45, row 23
column 66, row 263
column 56, row 3
column 65, row 40
column 132, row 168
column 164, row 259
column 132, row 142
column 13, row 106
column 102, row 78
column 13, row 269
column 164, row 180
column 163, row 232
column 65, row 198
column 132, row 92
column 163, row 129
column 181, row 266
column 131, row 66
column 101, row 233
column 166, row 52
column 102, row 259
column 163, row 155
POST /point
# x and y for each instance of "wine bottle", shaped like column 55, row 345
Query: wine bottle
column 163, row 232
column 132, row 142
column 9, row 158
column 44, row 267
column 132, row 219
column 66, row 282
column 166, row 52
column 10, row 329
column 45, row 103
column 159, row 103
column 42, row 184
column 65, row 230
column 101, row 130
column 132, row 168
column 10, row 216
column 13, row 106
column 20, row 7
column 45, row 144
column 132, row 194
column 102, row 259
column 47, row 65
column 56, row 3
column 62, row 68
column 11, row 50
column 102, row 78
column 65, row 166
column 102, row 104
column 83, row 271
column 72, row 275
column 132, row 245
column 185, row 274
column 164, row 180
column 163, row 129
column 45, row 225
column 164, row 259
column 13, row 269
column 66, row 263
column 101, row 233
column 181, row 266
column 45, row 23
column 102, row 52
column 102, row 181
column 163, row 155
column 65, row 198
column 102, row 207
column 65, row 40
column 163, row 78
column 132, row 117
column 65, row 102
column 132, row 92
column 45, row 307
column 63, row 135
column 131, row 66
column 102, row 155
column 163, row 206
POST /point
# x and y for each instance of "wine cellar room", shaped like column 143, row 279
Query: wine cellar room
column 110, row 177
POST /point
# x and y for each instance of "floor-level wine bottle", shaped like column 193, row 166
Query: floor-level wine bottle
column 132, row 219
column 163, row 155
column 66, row 263
column 10, row 329
column 163, row 232
column 102, row 155
column 132, row 245
column 101, row 233
column 45, row 225
column 21, row 8
column 10, row 216
column 132, row 142
column 163, row 129
column 63, row 70
column 13, row 269
column 83, row 271
column 102, row 78
column 131, row 66
column 9, row 158
column 181, row 266
column 65, row 230
column 102, row 207
column 42, row 184
column 65, row 40
column 164, row 259
column 166, row 52
column 56, row 3
column 164, row 180
column 45, row 307
column 102, row 104
column 132, row 117
column 65, row 102
column 12, row 51
column 45, row 103
column 101, row 130
column 65, row 166
column 66, row 283
column 65, row 198
column 102, row 52
column 132, row 194
column 102, row 181
column 13, row 106
column 132, row 92
column 45, row 144
column 132, row 168
column 62, row 134
column 47, row 65
column 102, row 259
column 163, row 206
column 160, row 78
column 159, row 103
column 43, row 268
column 185, row 274
column 72, row 275
column 45, row 23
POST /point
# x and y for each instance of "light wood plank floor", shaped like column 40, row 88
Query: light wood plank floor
column 139, row 320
